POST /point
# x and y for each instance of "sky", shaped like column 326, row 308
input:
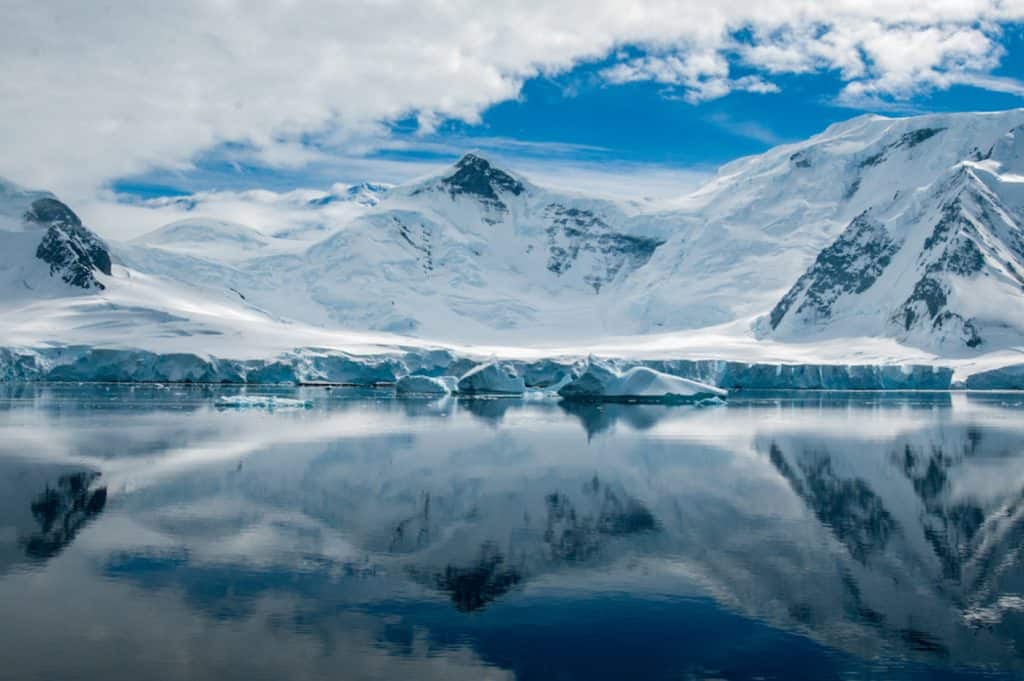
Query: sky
column 113, row 101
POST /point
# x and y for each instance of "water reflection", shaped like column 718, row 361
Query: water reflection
column 63, row 510
column 794, row 536
column 474, row 586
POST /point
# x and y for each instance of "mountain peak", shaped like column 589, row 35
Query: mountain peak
column 475, row 175
column 472, row 158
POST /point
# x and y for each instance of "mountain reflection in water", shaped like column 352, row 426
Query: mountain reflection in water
column 144, row 533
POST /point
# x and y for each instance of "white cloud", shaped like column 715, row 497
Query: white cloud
column 94, row 91
column 630, row 182
column 744, row 128
column 703, row 77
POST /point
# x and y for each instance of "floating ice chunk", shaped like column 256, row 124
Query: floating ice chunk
column 495, row 378
column 426, row 385
column 261, row 402
column 603, row 382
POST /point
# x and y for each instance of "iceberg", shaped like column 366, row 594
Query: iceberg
column 426, row 385
column 603, row 382
column 493, row 378
column 261, row 402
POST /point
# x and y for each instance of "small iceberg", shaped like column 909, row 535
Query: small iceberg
column 261, row 402
column 494, row 378
column 601, row 382
column 432, row 386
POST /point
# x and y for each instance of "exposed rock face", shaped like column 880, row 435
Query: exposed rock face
column 851, row 265
column 476, row 176
column 73, row 252
column 51, row 212
column 417, row 234
column 950, row 249
column 574, row 231
column 908, row 140
column 919, row 268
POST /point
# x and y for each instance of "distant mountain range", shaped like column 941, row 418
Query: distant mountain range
column 903, row 229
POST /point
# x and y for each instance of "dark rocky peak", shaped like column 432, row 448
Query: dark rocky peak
column 476, row 176
column 75, row 255
column 72, row 251
column 47, row 212
column 914, row 137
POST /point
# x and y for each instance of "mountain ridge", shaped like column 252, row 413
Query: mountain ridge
column 902, row 229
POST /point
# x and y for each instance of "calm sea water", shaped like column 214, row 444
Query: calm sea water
column 147, row 534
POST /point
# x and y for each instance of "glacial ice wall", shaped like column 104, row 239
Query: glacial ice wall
column 312, row 366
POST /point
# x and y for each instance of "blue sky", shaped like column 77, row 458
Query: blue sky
column 579, row 120
column 647, row 96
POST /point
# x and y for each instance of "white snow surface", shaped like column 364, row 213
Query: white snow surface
column 503, row 268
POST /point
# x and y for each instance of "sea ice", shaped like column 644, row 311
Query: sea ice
column 261, row 402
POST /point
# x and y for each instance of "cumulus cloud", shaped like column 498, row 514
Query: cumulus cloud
column 702, row 77
column 94, row 91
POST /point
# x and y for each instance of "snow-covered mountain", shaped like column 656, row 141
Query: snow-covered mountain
column 938, row 265
column 472, row 254
column 864, row 230
column 906, row 230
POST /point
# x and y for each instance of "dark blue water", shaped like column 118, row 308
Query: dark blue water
column 147, row 534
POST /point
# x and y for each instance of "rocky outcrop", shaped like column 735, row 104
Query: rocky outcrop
column 850, row 266
column 73, row 252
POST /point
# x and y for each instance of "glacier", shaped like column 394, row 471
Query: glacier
column 314, row 366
